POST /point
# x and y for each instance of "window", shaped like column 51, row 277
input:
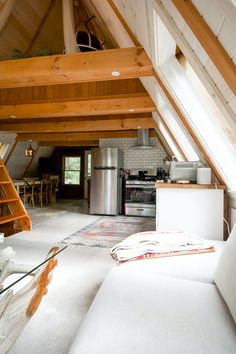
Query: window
column 204, row 120
column 168, row 138
column 71, row 172
column 89, row 164
column 3, row 149
column 176, row 129
column 179, row 135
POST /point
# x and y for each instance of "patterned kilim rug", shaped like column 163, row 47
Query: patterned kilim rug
column 110, row 230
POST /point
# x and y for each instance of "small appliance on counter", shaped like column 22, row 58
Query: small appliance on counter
column 204, row 175
column 183, row 171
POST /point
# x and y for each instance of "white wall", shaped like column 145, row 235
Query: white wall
column 138, row 159
column 18, row 162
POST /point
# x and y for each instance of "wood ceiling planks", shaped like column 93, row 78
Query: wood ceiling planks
column 69, row 91
column 25, row 27
column 92, row 143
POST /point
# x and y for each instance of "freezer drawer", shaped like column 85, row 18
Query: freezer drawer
column 104, row 198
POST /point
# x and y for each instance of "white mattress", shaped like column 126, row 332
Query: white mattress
column 137, row 312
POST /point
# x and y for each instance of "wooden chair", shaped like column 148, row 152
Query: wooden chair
column 29, row 194
column 43, row 195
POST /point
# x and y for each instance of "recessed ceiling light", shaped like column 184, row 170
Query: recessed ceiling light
column 115, row 73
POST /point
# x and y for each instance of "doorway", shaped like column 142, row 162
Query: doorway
column 70, row 165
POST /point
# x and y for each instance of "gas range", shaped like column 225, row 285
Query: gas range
column 140, row 196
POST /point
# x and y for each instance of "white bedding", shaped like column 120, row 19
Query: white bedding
column 137, row 313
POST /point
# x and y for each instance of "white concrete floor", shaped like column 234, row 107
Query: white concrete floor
column 76, row 279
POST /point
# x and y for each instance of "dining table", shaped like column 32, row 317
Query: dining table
column 53, row 188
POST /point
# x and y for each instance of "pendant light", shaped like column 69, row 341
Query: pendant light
column 29, row 152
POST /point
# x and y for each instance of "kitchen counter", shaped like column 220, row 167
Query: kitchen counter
column 194, row 208
column 189, row 185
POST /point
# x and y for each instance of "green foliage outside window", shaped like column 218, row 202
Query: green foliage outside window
column 72, row 170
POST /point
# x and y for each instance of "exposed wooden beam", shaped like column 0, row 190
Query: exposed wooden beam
column 208, row 40
column 79, row 126
column 138, row 103
column 74, row 119
column 78, row 67
column 85, row 136
column 70, row 143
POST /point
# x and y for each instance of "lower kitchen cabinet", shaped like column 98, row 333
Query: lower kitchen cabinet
column 199, row 211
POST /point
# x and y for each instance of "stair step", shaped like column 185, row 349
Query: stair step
column 8, row 200
column 9, row 195
column 8, row 218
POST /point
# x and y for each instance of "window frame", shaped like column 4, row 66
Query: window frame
column 64, row 170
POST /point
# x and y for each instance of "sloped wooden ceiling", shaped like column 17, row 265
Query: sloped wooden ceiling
column 32, row 27
column 54, row 96
column 71, row 93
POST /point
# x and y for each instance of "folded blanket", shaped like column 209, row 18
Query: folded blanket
column 159, row 244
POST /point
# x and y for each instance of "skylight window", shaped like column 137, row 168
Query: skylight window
column 203, row 120
column 176, row 129
column 3, row 149
column 179, row 135
column 168, row 138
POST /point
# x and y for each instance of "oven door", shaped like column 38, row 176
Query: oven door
column 140, row 200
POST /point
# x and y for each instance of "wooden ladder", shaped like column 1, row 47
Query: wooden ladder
column 11, row 207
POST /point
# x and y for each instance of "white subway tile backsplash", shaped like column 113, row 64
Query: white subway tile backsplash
column 138, row 159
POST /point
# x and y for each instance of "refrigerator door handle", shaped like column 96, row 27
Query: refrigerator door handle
column 105, row 168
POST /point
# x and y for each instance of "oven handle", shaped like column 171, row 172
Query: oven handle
column 139, row 186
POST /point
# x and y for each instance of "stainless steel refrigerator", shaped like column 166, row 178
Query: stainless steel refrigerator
column 106, row 182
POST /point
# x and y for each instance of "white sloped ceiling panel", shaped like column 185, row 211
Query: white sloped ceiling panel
column 213, row 16
column 227, row 37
